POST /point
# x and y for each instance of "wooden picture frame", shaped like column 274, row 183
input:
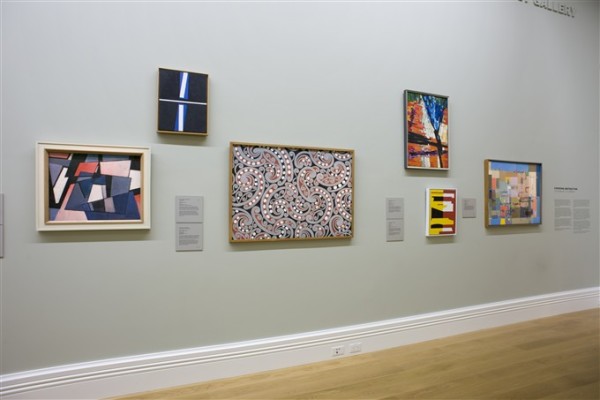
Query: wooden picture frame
column 441, row 212
column 426, row 131
column 92, row 187
column 182, row 102
column 513, row 193
column 290, row 193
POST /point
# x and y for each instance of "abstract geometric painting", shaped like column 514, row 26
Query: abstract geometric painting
column 182, row 102
column 92, row 187
column 426, row 130
column 441, row 212
column 290, row 193
column 513, row 193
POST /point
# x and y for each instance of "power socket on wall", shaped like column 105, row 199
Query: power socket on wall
column 338, row 351
column 355, row 347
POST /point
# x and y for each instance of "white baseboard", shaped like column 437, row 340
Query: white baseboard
column 119, row 376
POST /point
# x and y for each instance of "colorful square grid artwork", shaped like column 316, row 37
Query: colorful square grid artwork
column 84, row 189
column 513, row 193
column 426, row 131
column 182, row 102
column 290, row 193
column 441, row 212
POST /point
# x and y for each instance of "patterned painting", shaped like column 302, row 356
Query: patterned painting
column 287, row 193
column 182, row 102
column 513, row 193
column 441, row 212
column 92, row 187
column 426, row 130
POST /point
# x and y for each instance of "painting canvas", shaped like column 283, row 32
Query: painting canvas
column 426, row 131
column 182, row 102
column 290, row 193
column 441, row 212
column 513, row 193
column 92, row 187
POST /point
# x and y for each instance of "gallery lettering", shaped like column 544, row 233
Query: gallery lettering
column 554, row 6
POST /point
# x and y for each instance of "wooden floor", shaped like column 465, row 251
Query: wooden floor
column 550, row 358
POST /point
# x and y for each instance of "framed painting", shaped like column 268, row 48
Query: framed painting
column 290, row 193
column 426, row 131
column 83, row 187
column 182, row 102
column 441, row 212
column 513, row 193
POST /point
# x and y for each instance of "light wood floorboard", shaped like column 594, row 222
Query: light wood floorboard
column 550, row 358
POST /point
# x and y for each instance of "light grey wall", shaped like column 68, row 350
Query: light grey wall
column 523, row 85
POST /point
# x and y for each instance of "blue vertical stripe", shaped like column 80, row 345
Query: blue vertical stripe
column 180, row 120
column 183, row 84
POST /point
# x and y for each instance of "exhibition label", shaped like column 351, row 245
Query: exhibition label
column 554, row 6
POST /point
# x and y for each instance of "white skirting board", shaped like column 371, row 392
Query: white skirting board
column 119, row 376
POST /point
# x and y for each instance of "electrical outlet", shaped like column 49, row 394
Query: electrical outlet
column 337, row 351
column 356, row 347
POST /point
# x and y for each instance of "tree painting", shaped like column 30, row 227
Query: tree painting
column 426, row 131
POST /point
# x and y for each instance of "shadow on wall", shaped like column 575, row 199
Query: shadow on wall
column 290, row 244
column 512, row 230
column 93, row 236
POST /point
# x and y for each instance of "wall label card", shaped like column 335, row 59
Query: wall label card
column 395, row 230
column 1, row 225
column 582, row 222
column 469, row 208
column 189, row 237
column 189, row 209
column 394, row 214
column 563, row 215
column 189, row 223
column 394, row 208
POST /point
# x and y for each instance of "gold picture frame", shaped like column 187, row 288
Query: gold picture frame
column 280, row 192
column 513, row 193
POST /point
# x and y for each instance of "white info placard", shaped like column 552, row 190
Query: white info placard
column 189, row 223
column 394, row 219
column 189, row 209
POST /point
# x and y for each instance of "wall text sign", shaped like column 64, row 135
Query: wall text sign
column 559, row 7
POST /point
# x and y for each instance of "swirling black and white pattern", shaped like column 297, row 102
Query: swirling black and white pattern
column 280, row 193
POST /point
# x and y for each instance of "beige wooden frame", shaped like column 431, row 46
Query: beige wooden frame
column 43, row 222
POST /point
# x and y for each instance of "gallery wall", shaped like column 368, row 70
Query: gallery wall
column 522, row 83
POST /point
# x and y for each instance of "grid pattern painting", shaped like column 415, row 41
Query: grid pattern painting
column 513, row 193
